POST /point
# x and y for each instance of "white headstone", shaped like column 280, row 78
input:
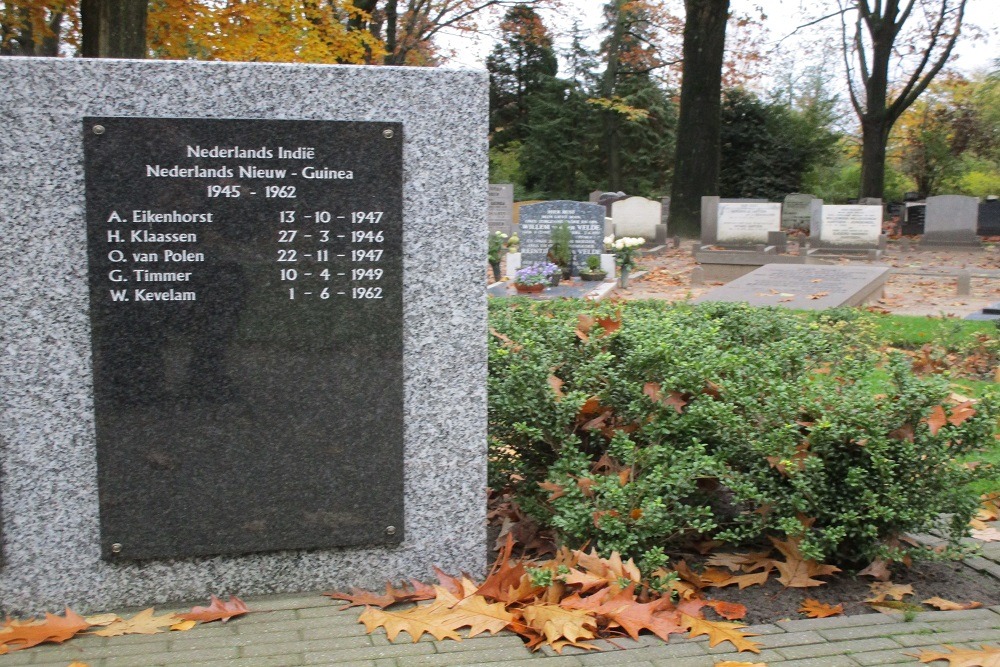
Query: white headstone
column 747, row 223
column 501, row 211
column 636, row 216
column 851, row 225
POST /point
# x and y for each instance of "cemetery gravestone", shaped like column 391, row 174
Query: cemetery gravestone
column 914, row 216
column 739, row 224
column 637, row 217
column 796, row 211
column 594, row 196
column 803, row 286
column 586, row 222
column 848, row 227
column 988, row 221
column 951, row 222
column 184, row 318
column 501, row 209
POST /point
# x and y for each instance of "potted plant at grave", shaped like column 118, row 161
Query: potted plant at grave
column 593, row 271
column 495, row 251
column 513, row 243
column 534, row 277
column 625, row 250
column 560, row 252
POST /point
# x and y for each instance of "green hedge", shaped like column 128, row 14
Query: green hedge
column 721, row 421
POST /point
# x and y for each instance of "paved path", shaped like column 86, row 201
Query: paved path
column 308, row 629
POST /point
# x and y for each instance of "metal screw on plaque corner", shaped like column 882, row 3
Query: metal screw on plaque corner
column 388, row 135
column 116, row 548
column 98, row 129
column 390, row 530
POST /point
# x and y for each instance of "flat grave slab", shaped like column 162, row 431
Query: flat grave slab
column 803, row 286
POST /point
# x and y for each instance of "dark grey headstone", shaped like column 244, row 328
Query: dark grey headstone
column 246, row 309
column 586, row 222
column 988, row 222
column 803, row 286
column 914, row 216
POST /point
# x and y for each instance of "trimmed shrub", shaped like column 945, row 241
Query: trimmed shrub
column 641, row 426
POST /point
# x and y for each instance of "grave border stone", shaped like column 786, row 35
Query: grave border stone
column 52, row 554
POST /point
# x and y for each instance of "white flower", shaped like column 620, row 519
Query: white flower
column 609, row 239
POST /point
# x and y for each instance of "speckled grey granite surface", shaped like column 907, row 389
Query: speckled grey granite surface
column 48, row 487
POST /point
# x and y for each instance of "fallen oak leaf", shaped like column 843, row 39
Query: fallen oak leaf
column 183, row 626
column 143, row 623
column 733, row 663
column 476, row 613
column 361, row 598
column 986, row 656
column 882, row 589
column 796, row 571
column 102, row 619
column 719, row 631
column 948, row 605
column 434, row 619
column 217, row 610
column 555, row 624
column 556, row 385
column 816, row 609
column 17, row 635
column 729, row 610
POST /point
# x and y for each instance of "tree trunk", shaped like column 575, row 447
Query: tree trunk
column 113, row 28
column 696, row 165
column 874, row 139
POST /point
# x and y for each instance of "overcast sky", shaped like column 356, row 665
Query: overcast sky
column 782, row 20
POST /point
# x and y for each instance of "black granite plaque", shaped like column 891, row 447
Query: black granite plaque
column 246, row 306
column 988, row 223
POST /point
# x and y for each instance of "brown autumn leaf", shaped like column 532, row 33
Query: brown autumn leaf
column 729, row 610
column 796, row 571
column 183, row 626
column 659, row 616
column 590, row 407
column 361, row 598
column 989, row 509
column 986, row 535
column 434, row 619
column 936, row 419
column 475, row 612
column 673, row 399
column 556, row 385
column 555, row 490
column 719, row 631
column 818, row 295
column 816, row 609
column 557, row 624
column 507, row 342
column 102, row 619
column 584, row 323
column 217, row 610
column 504, row 576
column 948, row 605
column 609, row 324
column 877, row 569
column 986, row 656
column 886, row 589
column 734, row 663
column 143, row 623
column 77, row 664
column 744, row 580
column 17, row 635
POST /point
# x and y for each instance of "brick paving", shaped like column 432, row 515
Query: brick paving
column 309, row 629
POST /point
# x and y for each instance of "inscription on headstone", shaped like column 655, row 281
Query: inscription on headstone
column 747, row 223
column 586, row 222
column 851, row 225
column 501, row 209
column 246, row 307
